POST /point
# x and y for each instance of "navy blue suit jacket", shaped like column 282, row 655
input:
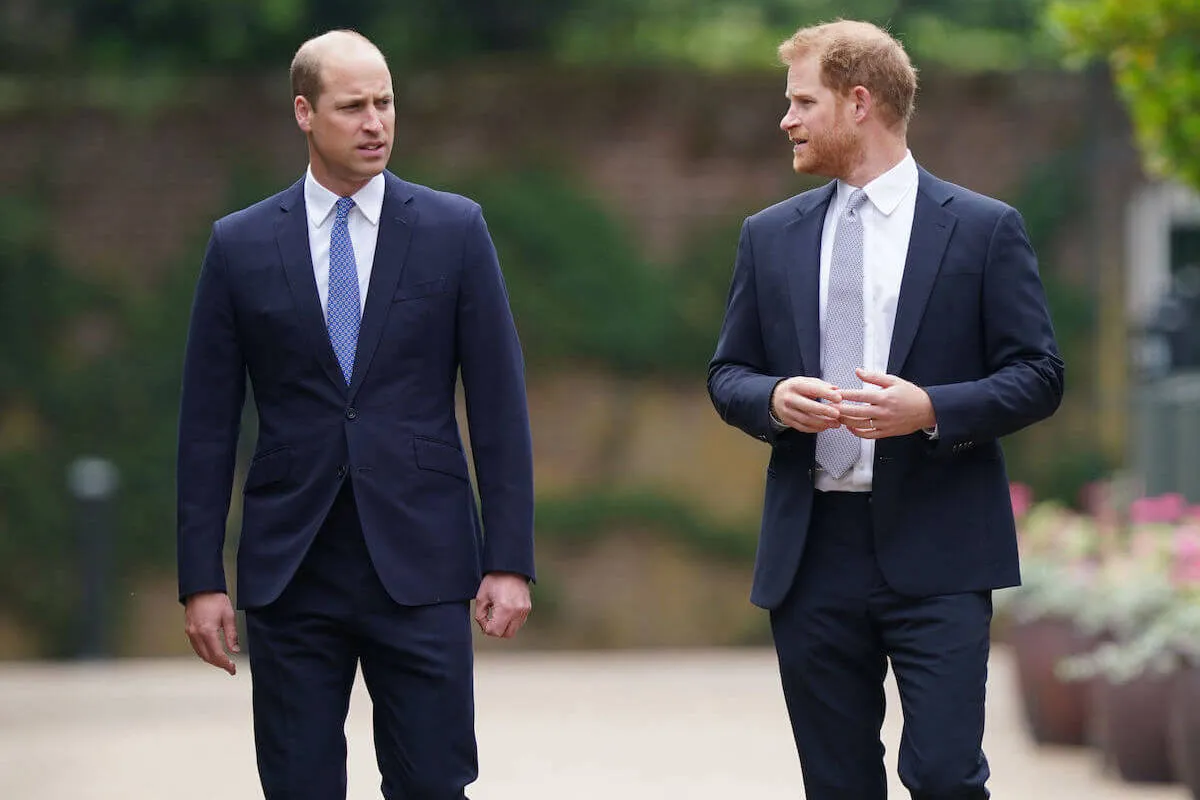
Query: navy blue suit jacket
column 972, row 328
column 436, row 308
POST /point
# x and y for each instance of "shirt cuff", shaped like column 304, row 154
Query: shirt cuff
column 776, row 425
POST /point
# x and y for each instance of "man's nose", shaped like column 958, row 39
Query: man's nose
column 374, row 121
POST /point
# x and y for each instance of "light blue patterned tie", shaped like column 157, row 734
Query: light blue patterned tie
column 344, row 313
column 842, row 338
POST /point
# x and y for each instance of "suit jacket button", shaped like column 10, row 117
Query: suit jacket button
column 352, row 413
column 341, row 471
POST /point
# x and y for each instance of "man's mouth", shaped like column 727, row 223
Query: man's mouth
column 371, row 146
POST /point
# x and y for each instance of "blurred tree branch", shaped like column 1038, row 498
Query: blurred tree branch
column 1153, row 49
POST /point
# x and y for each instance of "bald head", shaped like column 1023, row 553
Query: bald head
column 313, row 55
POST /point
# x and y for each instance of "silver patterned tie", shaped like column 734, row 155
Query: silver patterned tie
column 842, row 335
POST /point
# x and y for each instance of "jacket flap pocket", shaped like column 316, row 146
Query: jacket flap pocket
column 440, row 457
column 421, row 289
column 270, row 467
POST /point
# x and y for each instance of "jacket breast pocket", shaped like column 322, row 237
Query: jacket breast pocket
column 415, row 291
column 960, row 270
column 268, row 468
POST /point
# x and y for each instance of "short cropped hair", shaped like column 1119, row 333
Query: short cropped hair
column 306, row 65
column 859, row 54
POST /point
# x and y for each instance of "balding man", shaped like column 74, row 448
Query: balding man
column 354, row 301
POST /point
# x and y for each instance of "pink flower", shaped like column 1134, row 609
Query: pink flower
column 1163, row 508
column 1022, row 498
column 1185, row 569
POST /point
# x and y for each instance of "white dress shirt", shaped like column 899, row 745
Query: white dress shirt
column 363, row 223
column 887, row 227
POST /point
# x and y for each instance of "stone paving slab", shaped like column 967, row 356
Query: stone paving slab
column 699, row 725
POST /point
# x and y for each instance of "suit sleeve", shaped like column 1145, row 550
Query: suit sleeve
column 493, row 376
column 1025, row 371
column 739, row 383
column 214, row 385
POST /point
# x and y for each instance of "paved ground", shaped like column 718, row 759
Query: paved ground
column 635, row 726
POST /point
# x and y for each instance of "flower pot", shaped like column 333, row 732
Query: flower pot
column 1183, row 727
column 1055, row 710
column 1135, row 728
column 1099, row 721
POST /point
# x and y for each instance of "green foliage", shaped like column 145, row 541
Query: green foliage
column 187, row 36
column 96, row 374
column 580, row 292
column 1153, row 49
column 34, row 519
column 1051, row 196
column 976, row 35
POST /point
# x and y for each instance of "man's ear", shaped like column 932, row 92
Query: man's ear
column 863, row 102
column 304, row 112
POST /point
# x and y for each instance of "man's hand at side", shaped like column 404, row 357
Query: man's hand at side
column 208, row 615
column 886, row 406
column 503, row 604
column 796, row 402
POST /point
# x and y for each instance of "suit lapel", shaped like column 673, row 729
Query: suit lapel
column 802, row 265
column 291, row 235
column 391, row 249
column 932, row 226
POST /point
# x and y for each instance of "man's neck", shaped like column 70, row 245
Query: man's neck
column 877, row 158
column 342, row 188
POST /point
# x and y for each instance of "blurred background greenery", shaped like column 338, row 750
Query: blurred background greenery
column 615, row 146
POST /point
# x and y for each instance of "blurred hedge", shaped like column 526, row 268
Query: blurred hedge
column 93, row 369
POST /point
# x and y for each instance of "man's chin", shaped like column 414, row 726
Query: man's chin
column 803, row 166
column 374, row 163
column 366, row 172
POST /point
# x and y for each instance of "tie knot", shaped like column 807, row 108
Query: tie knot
column 344, row 204
column 857, row 198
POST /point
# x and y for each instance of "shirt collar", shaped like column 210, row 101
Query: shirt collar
column 886, row 191
column 320, row 201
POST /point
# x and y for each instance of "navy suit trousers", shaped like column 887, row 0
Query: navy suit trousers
column 834, row 634
column 305, row 650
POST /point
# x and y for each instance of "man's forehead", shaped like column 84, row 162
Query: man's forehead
column 804, row 77
column 795, row 88
column 361, row 87
column 356, row 78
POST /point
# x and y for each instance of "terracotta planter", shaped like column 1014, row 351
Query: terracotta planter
column 1099, row 722
column 1183, row 727
column 1134, row 728
column 1055, row 710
